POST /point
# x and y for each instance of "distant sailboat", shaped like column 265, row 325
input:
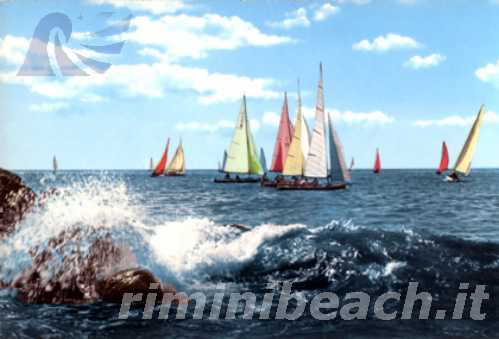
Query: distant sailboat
column 177, row 165
column 352, row 164
column 283, row 139
column 160, row 167
column 263, row 161
column 377, row 162
column 151, row 165
column 444, row 161
column 55, row 166
column 463, row 163
column 242, row 157
column 316, row 163
column 221, row 166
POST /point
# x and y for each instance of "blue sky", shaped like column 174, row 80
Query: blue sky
column 401, row 75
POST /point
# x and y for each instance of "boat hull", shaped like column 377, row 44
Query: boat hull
column 311, row 187
column 174, row 174
column 237, row 181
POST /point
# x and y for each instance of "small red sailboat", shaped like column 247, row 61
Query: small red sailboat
column 160, row 168
column 444, row 161
column 377, row 162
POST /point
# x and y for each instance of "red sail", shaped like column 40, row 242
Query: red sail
column 283, row 139
column 377, row 163
column 444, row 162
column 160, row 168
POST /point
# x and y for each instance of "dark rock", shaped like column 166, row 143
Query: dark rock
column 15, row 200
column 134, row 280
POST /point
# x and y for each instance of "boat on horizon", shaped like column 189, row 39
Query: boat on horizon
column 176, row 167
column 352, row 163
column 377, row 162
column 55, row 165
column 242, row 157
column 463, row 163
column 221, row 166
column 444, row 160
column 315, row 164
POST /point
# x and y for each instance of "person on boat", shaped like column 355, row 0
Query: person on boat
column 264, row 177
column 227, row 176
column 454, row 177
column 238, row 178
column 315, row 182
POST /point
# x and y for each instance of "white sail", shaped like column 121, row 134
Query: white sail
column 55, row 166
column 263, row 161
column 463, row 163
column 316, row 164
column 338, row 168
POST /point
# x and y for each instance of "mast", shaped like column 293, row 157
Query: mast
column 283, row 139
column 444, row 161
column 305, row 131
column 377, row 162
column 338, row 170
column 316, row 164
column 463, row 163
column 160, row 168
column 242, row 156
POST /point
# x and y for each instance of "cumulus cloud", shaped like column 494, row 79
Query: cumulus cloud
column 355, row 2
column 48, row 107
column 456, row 120
column 214, row 127
column 350, row 117
column 489, row 73
column 418, row 62
column 325, row 11
column 387, row 42
column 271, row 119
column 297, row 18
column 151, row 6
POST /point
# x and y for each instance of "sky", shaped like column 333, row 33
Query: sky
column 399, row 75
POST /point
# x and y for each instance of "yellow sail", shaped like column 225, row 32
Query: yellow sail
column 463, row 163
column 295, row 161
column 177, row 165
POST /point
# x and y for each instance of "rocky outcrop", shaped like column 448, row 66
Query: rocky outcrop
column 15, row 200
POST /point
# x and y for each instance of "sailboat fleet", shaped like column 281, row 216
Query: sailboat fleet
column 301, row 159
column 176, row 167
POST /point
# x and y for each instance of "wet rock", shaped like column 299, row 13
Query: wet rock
column 134, row 280
column 15, row 200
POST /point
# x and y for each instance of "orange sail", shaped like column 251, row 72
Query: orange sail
column 283, row 139
column 444, row 162
column 160, row 168
column 377, row 163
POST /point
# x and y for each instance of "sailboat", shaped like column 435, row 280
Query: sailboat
column 377, row 162
column 242, row 157
column 55, row 166
column 315, row 164
column 463, row 163
column 352, row 164
column 263, row 161
column 160, row 167
column 151, row 165
column 444, row 161
column 221, row 166
column 177, row 165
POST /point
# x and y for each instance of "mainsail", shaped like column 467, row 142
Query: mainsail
column 295, row 160
column 338, row 171
column 160, row 168
column 444, row 161
column 283, row 139
column 377, row 162
column 263, row 161
column 177, row 165
column 316, row 164
column 55, row 166
column 463, row 163
column 242, row 156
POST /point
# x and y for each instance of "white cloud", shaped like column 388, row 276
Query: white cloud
column 355, row 2
column 181, row 36
column 293, row 19
column 48, row 107
column 325, row 11
column 152, row 6
column 214, row 127
column 456, row 120
column 387, row 42
column 489, row 73
column 13, row 49
column 271, row 118
column 418, row 62
column 349, row 117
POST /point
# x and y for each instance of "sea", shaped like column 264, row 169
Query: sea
column 377, row 236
